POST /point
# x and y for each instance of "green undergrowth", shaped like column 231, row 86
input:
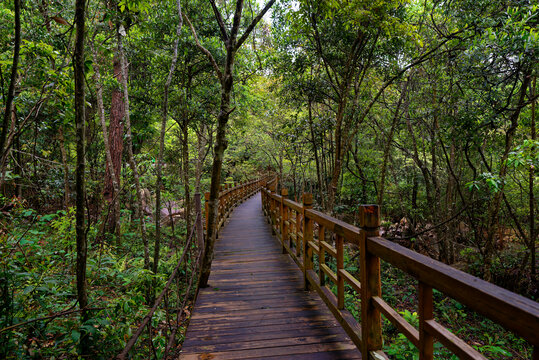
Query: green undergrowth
column 37, row 274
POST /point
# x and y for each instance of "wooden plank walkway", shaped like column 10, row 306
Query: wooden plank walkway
column 255, row 306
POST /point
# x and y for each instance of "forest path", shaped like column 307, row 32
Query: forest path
column 255, row 305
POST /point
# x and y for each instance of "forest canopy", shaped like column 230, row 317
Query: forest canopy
column 115, row 113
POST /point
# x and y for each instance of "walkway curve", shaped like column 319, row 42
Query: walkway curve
column 255, row 306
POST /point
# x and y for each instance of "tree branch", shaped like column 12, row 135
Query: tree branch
column 203, row 49
column 254, row 23
column 220, row 21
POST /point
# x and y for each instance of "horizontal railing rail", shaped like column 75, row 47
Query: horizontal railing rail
column 308, row 235
column 230, row 196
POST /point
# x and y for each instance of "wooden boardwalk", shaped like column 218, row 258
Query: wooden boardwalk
column 255, row 306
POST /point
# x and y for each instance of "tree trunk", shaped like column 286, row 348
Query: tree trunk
column 80, row 176
column 317, row 161
column 387, row 145
column 202, row 142
column 225, row 76
column 162, row 141
column 533, row 234
column 494, row 207
column 218, row 155
column 115, row 144
column 13, row 79
column 185, row 174
column 61, row 140
column 132, row 163
column 112, row 171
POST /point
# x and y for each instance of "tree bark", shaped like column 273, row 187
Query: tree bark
column 162, row 140
column 116, row 145
column 389, row 139
column 80, row 176
column 139, row 213
column 225, row 76
column 63, row 152
column 532, row 231
column 202, row 142
column 13, row 79
column 111, row 166
column 494, row 207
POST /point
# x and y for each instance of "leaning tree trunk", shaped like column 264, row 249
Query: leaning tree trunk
column 218, row 155
column 79, row 176
column 232, row 44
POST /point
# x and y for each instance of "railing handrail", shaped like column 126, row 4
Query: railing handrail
column 512, row 311
column 231, row 196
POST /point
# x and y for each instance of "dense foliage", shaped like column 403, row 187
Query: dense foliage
column 427, row 108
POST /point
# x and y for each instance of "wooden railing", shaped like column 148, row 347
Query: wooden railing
column 294, row 225
column 230, row 196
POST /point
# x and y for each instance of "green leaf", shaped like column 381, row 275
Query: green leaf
column 75, row 336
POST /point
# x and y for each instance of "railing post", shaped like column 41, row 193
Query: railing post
column 322, row 256
column 425, row 312
column 307, row 236
column 299, row 214
column 272, row 209
column 339, row 245
column 199, row 229
column 284, row 219
column 371, row 322
column 230, row 204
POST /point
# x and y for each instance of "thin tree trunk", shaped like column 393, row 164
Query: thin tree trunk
column 531, row 193
column 132, row 162
column 61, row 140
column 202, row 142
column 80, row 176
column 185, row 173
column 317, row 161
column 494, row 207
column 389, row 139
column 115, row 144
column 111, row 166
column 162, row 140
column 13, row 78
column 225, row 76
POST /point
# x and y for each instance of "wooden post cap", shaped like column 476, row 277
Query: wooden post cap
column 284, row 192
column 307, row 199
column 369, row 216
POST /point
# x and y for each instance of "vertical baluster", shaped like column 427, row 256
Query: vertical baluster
column 339, row 244
column 272, row 209
column 284, row 219
column 298, row 230
column 322, row 257
column 425, row 312
column 307, row 236
column 371, row 322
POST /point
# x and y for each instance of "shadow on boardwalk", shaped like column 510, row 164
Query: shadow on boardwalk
column 255, row 306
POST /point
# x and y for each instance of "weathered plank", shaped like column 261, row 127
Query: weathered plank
column 255, row 305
